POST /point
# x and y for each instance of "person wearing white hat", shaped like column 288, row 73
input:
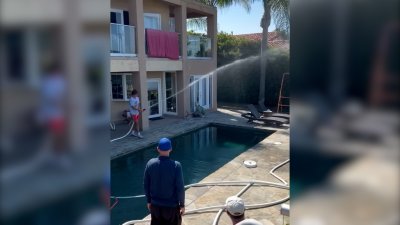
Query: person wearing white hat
column 235, row 210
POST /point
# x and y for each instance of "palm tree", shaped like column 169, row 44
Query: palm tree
column 226, row 3
column 201, row 23
column 279, row 11
column 276, row 9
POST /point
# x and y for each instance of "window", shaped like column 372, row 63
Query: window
column 193, row 45
column 200, row 91
column 117, row 87
column 172, row 24
column 121, row 86
column 14, row 55
column 152, row 21
column 119, row 17
column 129, row 85
column 122, row 39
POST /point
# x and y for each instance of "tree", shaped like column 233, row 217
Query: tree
column 201, row 23
column 226, row 3
column 227, row 49
column 279, row 11
column 276, row 9
column 231, row 48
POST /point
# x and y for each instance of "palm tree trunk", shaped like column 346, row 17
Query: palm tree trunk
column 265, row 22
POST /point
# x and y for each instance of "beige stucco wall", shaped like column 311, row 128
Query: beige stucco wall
column 163, row 65
column 202, row 67
column 199, row 66
column 153, row 74
column 117, row 107
column 159, row 7
column 195, row 5
column 121, row 4
column 124, row 64
column 155, row 68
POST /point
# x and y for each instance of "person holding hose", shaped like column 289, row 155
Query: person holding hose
column 134, row 109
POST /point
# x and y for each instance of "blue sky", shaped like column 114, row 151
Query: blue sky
column 235, row 19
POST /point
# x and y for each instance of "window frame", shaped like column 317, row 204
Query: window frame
column 122, row 15
column 157, row 15
column 121, row 11
column 172, row 24
column 160, row 97
column 124, row 86
column 164, row 87
column 208, row 97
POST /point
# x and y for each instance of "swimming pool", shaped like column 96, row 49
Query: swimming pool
column 201, row 152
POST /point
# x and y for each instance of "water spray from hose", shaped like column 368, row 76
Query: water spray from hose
column 210, row 74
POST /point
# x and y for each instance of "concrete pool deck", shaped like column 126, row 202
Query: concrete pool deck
column 273, row 150
column 267, row 154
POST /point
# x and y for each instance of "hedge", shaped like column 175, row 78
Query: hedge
column 238, row 82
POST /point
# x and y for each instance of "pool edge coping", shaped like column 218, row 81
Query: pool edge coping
column 202, row 125
column 277, row 132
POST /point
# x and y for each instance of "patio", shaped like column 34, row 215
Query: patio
column 273, row 150
column 173, row 126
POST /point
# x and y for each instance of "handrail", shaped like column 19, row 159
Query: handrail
column 201, row 46
column 122, row 24
column 122, row 39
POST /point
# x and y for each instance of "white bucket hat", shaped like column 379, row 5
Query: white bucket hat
column 235, row 206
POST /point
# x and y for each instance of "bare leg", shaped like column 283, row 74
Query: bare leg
column 137, row 127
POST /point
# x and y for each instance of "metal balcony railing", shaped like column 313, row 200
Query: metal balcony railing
column 179, row 44
column 122, row 40
column 199, row 46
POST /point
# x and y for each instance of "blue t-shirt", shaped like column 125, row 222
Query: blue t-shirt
column 163, row 182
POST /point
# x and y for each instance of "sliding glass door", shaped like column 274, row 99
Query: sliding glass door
column 154, row 97
column 170, row 101
column 200, row 92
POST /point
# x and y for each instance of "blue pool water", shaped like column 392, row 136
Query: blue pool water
column 201, row 152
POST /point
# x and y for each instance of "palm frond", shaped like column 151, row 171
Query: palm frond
column 246, row 4
column 280, row 14
column 197, row 24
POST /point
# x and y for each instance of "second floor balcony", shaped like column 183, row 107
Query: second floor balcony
column 163, row 44
column 122, row 40
column 123, row 43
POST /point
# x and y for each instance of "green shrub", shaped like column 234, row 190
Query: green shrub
column 239, row 82
column 231, row 48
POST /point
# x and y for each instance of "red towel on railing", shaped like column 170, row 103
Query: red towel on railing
column 162, row 44
column 154, row 45
column 172, row 46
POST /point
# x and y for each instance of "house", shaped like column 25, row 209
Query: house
column 275, row 39
column 162, row 81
